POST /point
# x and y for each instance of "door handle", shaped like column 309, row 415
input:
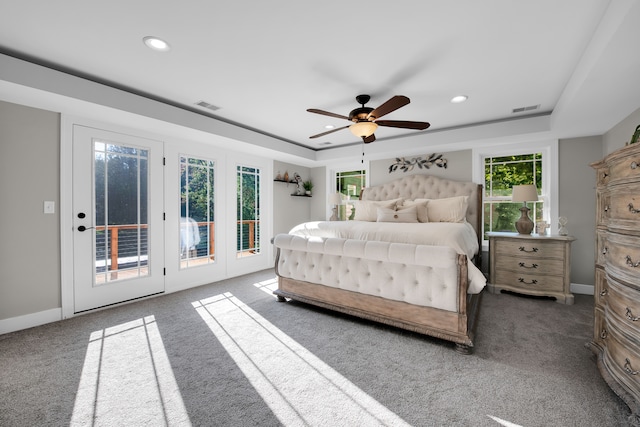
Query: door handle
column 83, row 228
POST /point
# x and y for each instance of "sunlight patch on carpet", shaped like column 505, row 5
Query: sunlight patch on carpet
column 503, row 422
column 127, row 379
column 268, row 285
column 297, row 386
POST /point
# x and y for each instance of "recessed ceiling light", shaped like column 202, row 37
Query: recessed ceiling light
column 458, row 99
column 329, row 126
column 156, row 44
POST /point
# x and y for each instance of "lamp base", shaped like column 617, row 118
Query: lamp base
column 334, row 216
column 524, row 225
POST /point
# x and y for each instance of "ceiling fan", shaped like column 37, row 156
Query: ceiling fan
column 365, row 119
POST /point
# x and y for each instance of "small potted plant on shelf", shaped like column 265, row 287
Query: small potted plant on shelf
column 308, row 186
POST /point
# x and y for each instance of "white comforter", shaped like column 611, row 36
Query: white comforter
column 459, row 236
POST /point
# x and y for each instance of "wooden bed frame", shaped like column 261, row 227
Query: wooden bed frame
column 457, row 327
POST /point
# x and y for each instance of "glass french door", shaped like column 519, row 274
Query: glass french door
column 118, row 218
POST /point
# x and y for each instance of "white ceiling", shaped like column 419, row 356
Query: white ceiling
column 265, row 62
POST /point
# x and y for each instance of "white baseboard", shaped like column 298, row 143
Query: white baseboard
column 30, row 320
column 578, row 288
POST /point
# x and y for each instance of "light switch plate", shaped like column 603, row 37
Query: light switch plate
column 49, row 207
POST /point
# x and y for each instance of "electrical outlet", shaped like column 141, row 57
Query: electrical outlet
column 49, row 207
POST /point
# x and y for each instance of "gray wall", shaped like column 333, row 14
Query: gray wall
column 577, row 197
column 289, row 210
column 30, row 244
column 458, row 168
column 618, row 136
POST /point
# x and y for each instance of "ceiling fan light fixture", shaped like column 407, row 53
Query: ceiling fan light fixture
column 363, row 129
column 458, row 99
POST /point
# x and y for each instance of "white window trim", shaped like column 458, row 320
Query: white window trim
column 550, row 175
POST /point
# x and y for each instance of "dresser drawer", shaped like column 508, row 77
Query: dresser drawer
column 601, row 288
column 624, row 204
column 624, row 167
column 532, row 265
column 603, row 207
column 529, row 282
column 623, row 307
column 529, row 249
column 601, row 247
column 599, row 330
column 622, row 358
column 622, row 255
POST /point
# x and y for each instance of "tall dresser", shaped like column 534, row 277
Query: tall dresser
column 616, row 336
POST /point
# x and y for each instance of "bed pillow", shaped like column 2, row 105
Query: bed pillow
column 366, row 210
column 451, row 209
column 421, row 208
column 408, row 214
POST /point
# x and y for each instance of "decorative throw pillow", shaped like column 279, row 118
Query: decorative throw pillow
column 421, row 207
column 451, row 209
column 366, row 210
column 408, row 214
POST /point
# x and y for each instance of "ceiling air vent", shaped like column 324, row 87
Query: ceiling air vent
column 206, row 105
column 524, row 109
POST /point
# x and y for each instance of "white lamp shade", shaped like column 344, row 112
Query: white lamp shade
column 334, row 199
column 363, row 129
column 524, row 193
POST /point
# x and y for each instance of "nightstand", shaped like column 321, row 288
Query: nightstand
column 531, row 264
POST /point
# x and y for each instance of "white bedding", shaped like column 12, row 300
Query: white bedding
column 459, row 236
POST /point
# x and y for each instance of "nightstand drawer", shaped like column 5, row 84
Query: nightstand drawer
column 531, row 265
column 530, row 249
column 529, row 282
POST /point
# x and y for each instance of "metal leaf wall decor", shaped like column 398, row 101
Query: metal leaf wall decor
column 406, row 165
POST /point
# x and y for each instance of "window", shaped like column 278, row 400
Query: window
column 349, row 184
column 197, row 208
column 499, row 168
column 248, row 211
column 501, row 174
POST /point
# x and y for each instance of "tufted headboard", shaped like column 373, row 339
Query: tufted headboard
column 430, row 187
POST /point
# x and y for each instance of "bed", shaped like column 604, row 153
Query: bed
column 410, row 259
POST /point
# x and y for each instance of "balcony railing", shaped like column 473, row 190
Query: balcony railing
column 123, row 249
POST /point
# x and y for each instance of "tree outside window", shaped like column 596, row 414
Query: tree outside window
column 501, row 174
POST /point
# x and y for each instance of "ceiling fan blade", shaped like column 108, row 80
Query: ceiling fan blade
column 368, row 139
column 403, row 124
column 391, row 105
column 328, row 132
column 326, row 113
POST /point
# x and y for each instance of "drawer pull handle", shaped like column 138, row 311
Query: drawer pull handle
column 630, row 315
column 522, row 264
column 632, row 209
column 532, row 282
column 634, row 165
column 630, row 262
column 627, row 367
column 606, row 208
column 603, row 334
column 604, row 175
column 605, row 250
column 522, row 249
column 604, row 292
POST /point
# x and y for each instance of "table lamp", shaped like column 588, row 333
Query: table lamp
column 524, row 193
column 334, row 200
